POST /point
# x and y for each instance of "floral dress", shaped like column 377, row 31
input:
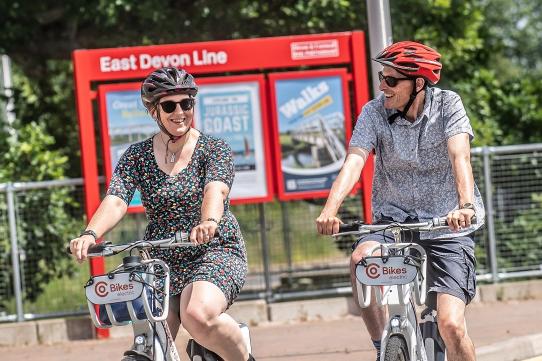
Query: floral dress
column 173, row 203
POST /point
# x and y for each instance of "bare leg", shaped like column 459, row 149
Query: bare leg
column 374, row 316
column 453, row 328
column 202, row 314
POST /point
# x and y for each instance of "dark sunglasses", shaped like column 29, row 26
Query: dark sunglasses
column 391, row 81
column 169, row 106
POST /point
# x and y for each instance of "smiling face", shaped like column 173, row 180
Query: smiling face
column 179, row 121
column 396, row 97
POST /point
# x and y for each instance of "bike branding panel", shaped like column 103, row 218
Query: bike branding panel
column 394, row 271
column 110, row 290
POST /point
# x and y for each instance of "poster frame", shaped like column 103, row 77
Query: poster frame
column 260, row 79
column 342, row 73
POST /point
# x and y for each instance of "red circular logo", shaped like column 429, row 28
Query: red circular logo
column 101, row 289
column 373, row 271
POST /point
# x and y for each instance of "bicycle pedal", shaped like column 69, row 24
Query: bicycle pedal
column 132, row 355
column 197, row 352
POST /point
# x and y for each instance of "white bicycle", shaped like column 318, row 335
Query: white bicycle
column 396, row 273
column 136, row 293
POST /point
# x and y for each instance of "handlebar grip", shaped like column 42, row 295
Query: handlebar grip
column 348, row 227
column 96, row 248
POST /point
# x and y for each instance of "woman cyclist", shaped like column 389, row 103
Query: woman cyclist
column 184, row 177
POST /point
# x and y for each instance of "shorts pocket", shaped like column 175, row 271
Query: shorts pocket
column 470, row 270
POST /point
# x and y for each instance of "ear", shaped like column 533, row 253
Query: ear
column 420, row 84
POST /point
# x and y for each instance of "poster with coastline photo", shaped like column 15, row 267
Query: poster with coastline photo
column 231, row 109
column 125, row 121
column 313, row 119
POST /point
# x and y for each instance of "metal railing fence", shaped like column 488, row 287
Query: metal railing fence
column 287, row 258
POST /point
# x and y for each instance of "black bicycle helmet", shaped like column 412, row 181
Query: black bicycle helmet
column 166, row 81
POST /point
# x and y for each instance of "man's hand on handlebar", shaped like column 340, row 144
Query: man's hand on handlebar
column 328, row 224
column 460, row 219
column 79, row 247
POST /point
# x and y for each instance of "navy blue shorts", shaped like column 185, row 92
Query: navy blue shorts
column 451, row 264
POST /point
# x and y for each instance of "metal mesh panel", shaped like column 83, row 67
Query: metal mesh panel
column 46, row 220
column 517, row 200
column 299, row 258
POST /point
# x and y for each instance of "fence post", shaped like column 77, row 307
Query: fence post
column 287, row 240
column 10, row 189
column 265, row 255
column 490, row 215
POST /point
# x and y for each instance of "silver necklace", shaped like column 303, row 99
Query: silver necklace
column 173, row 156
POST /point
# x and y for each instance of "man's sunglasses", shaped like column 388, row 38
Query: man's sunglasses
column 391, row 81
column 169, row 106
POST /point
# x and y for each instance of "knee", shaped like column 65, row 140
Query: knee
column 361, row 251
column 198, row 321
column 451, row 330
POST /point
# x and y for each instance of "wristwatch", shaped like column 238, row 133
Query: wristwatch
column 468, row 206
column 89, row 232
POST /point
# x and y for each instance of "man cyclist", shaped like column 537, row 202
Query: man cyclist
column 421, row 138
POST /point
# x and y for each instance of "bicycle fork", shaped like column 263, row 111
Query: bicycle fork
column 403, row 323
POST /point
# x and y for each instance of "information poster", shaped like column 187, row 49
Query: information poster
column 230, row 108
column 125, row 121
column 312, row 122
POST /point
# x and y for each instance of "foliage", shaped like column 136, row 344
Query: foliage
column 45, row 217
column 514, row 252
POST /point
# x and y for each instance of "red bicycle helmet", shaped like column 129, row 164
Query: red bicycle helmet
column 413, row 60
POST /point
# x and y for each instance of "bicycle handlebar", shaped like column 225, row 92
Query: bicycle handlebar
column 357, row 228
column 105, row 249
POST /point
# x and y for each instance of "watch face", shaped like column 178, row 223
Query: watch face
column 467, row 206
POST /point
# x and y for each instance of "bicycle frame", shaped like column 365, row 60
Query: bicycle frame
column 396, row 292
column 397, row 278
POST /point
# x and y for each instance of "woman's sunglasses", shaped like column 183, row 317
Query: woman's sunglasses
column 169, row 106
column 391, row 81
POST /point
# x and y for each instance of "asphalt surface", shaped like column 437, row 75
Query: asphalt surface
column 344, row 339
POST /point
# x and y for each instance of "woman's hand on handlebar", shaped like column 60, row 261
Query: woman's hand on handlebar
column 79, row 247
column 203, row 232
column 328, row 224
column 460, row 219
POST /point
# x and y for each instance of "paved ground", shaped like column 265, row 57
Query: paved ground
column 325, row 340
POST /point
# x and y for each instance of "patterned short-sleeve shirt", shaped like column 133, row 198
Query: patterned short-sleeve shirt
column 413, row 175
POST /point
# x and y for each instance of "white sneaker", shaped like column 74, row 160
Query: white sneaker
column 246, row 336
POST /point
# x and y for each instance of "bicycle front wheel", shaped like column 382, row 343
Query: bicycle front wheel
column 396, row 349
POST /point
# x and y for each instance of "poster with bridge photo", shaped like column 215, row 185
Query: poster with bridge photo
column 312, row 117
column 124, row 121
column 230, row 108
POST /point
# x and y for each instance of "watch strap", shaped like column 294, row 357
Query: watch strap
column 89, row 232
column 467, row 206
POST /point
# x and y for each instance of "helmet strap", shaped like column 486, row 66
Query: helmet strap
column 403, row 113
column 172, row 138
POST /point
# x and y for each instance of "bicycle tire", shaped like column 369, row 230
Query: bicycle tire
column 135, row 358
column 396, row 349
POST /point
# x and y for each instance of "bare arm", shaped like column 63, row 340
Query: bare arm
column 327, row 222
column 212, row 206
column 108, row 214
column 459, row 153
